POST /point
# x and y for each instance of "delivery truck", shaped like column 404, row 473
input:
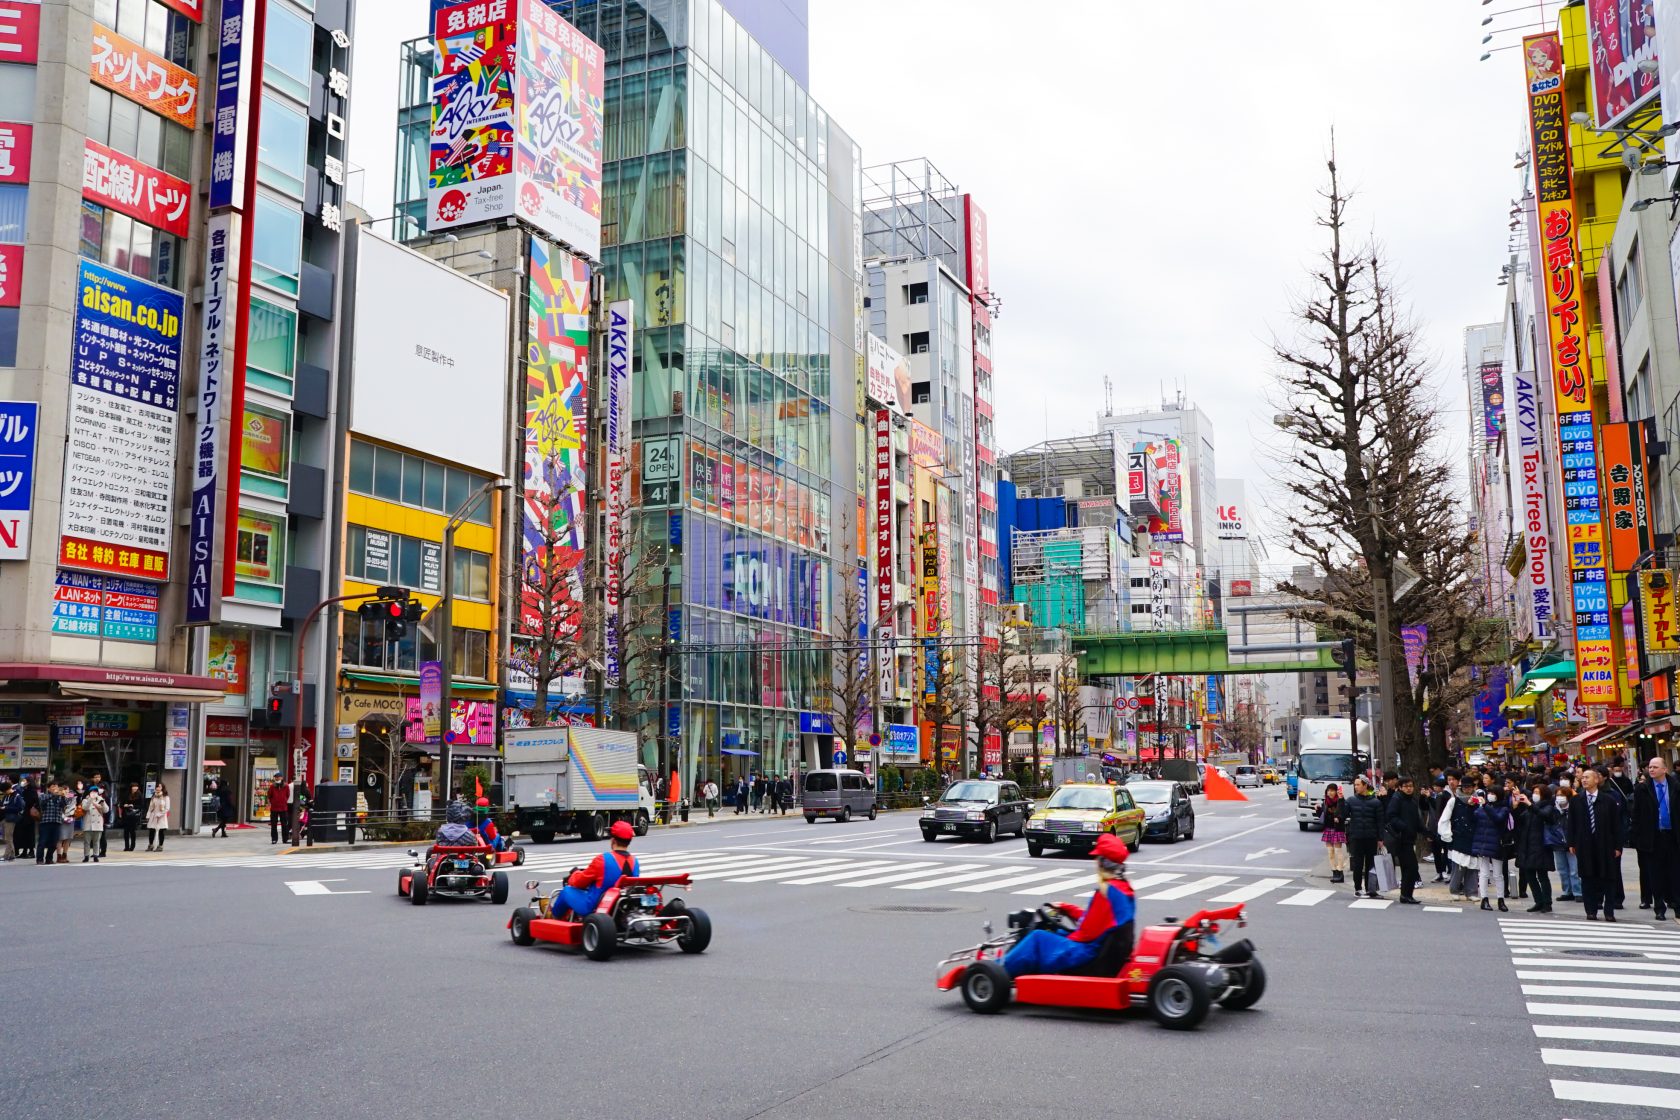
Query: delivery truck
column 575, row 781
column 1328, row 756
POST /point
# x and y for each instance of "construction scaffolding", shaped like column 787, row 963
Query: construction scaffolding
column 1071, row 578
column 912, row 212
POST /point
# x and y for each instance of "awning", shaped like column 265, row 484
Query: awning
column 1520, row 703
column 1590, row 735
column 1542, row 677
column 91, row 683
column 738, row 750
column 414, row 682
column 113, row 692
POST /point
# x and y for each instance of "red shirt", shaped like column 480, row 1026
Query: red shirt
column 277, row 798
column 592, row 875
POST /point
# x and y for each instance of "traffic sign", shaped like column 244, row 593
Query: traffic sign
column 839, row 758
column 874, row 739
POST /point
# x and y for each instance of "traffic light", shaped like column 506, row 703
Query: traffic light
column 1346, row 655
column 392, row 607
column 276, row 709
column 396, row 620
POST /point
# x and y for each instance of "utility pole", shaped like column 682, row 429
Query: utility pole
column 1384, row 740
column 446, row 627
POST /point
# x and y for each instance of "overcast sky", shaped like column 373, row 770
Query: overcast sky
column 1150, row 175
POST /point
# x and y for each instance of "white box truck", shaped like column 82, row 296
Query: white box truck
column 1328, row 756
column 564, row 780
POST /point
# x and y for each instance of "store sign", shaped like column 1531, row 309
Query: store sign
column 885, row 600
column 149, row 80
column 888, row 376
column 1622, row 41
column 431, row 566
column 1232, row 527
column 209, row 499
column 16, row 144
column 106, row 607
column 119, row 459
column 20, row 31
column 431, row 701
column 1656, row 608
column 1241, row 588
column 19, row 424
column 231, row 131
column 175, row 737
column 903, row 743
column 1571, row 368
column 927, row 447
column 1533, row 515
column 979, row 261
column 130, row 187
column 259, row 545
column 620, row 348
column 470, row 721
column 1142, row 486
column 376, row 556
column 1627, row 505
column 558, row 130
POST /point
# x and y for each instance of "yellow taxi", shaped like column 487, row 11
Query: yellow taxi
column 1270, row 776
column 1079, row 812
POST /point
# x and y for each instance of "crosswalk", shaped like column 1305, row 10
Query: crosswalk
column 828, row 868
column 1604, row 1001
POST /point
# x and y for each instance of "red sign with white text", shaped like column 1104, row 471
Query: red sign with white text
column 147, row 79
column 16, row 140
column 20, row 31
column 130, row 187
column 192, row 9
column 11, row 275
column 979, row 259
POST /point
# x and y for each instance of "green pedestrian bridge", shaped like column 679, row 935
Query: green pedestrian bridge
column 1185, row 653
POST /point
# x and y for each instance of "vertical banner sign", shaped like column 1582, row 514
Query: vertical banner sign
column 229, row 134
column 1413, row 639
column 932, row 623
column 1630, row 645
column 1493, row 401
column 1627, row 505
column 204, row 562
column 1656, row 608
column 18, row 424
column 1571, row 369
column 431, row 701
column 1534, row 512
column 885, row 614
column 620, row 347
column 17, row 141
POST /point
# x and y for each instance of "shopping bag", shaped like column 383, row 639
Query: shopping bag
column 1382, row 873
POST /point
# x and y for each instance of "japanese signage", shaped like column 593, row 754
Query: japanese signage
column 471, row 173
column 927, row 448
column 231, row 131
column 16, row 142
column 209, row 498
column 885, row 600
column 192, row 9
column 1620, row 35
column 175, row 737
column 1630, row 645
column 262, row 442
column 903, row 743
column 1169, row 526
column 119, row 460
column 1571, row 368
column 1142, row 489
column 108, row 607
column 130, row 187
column 620, row 348
column 147, row 79
column 431, row 703
column 11, row 275
column 470, row 721
column 431, row 566
column 1413, row 640
column 979, row 261
column 376, row 556
column 1532, row 515
column 1626, row 504
column 329, row 212
column 1493, row 401
column 888, row 376
column 19, row 422
column 1656, row 608
column 556, row 406
column 1241, row 588
column 20, row 31
column 558, row 134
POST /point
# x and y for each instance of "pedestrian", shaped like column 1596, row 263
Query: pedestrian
column 223, row 806
column 1405, row 824
column 710, row 792
column 278, row 801
column 11, row 811
column 1624, row 806
column 785, row 787
column 757, row 792
column 157, row 817
column 51, row 807
column 1365, row 828
column 106, row 795
column 29, row 820
column 1595, row 832
column 1440, row 798
column 129, row 814
column 93, row 808
column 1556, row 815
column 1656, row 804
column 1332, row 819
column 1534, row 858
column 773, row 792
column 72, row 823
column 740, row 796
column 1493, row 821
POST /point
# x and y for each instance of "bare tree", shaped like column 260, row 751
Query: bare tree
column 990, row 690
column 948, row 701
column 849, row 695
column 551, row 641
column 1028, row 700
column 1069, row 713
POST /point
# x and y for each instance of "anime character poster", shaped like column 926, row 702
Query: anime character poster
column 556, row 400
column 1621, row 35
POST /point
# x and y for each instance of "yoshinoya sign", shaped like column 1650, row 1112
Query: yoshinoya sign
column 620, row 348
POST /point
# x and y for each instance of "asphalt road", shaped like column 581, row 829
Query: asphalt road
column 179, row 989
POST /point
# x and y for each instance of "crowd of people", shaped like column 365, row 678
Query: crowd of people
column 44, row 818
column 749, row 793
column 1475, row 824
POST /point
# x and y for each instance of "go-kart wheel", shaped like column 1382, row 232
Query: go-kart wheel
column 845, row 814
column 699, row 934
column 930, row 837
column 872, row 812
column 417, row 886
column 985, row 987
column 810, row 818
column 520, row 928
column 498, row 888
column 988, row 834
column 1179, row 998
column 518, row 857
column 600, row 937
column 1249, row 994
column 642, row 823
column 402, row 882
column 543, row 836
column 1034, row 849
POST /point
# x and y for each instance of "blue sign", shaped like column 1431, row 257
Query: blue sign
column 674, row 530
column 673, row 721
column 127, row 339
column 815, row 723
column 233, row 98
column 839, row 758
column 903, row 743
column 673, row 624
column 109, row 607
column 18, row 421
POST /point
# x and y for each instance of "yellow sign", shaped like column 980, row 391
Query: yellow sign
column 1656, row 609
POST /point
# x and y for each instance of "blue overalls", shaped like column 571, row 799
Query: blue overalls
column 583, row 900
column 1042, row 951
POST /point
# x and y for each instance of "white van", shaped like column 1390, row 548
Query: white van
column 1328, row 757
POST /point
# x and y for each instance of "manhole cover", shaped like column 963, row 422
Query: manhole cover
column 913, row 909
column 1605, row 954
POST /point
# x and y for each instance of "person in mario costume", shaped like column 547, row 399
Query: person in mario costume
column 583, row 889
column 1112, row 913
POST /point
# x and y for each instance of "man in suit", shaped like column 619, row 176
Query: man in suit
column 1595, row 839
column 1656, row 815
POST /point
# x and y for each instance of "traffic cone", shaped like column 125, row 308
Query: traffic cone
column 1217, row 787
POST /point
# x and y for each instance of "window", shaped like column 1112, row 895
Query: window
column 265, row 443
column 387, row 474
column 17, row 86
column 261, row 552
column 920, row 391
column 361, row 467
column 916, row 343
column 9, row 318
column 282, row 146
column 916, row 293
column 277, row 245
column 472, row 574
column 393, row 476
column 408, row 561
column 272, row 344
column 288, row 52
column 14, row 198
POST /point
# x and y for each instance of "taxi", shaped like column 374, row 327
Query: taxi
column 1270, row 776
column 1079, row 812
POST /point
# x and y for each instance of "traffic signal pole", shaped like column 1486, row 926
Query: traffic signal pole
column 446, row 629
column 296, row 737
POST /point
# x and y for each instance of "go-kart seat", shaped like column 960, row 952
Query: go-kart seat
column 1112, row 955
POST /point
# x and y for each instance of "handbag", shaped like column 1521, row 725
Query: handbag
column 1382, row 873
column 34, row 813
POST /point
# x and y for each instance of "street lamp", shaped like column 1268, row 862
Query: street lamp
column 446, row 627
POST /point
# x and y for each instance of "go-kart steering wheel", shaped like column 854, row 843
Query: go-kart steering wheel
column 1053, row 917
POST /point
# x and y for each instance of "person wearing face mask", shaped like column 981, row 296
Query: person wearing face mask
column 1332, row 819
column 1554, row 811
column 1595, row 837
column 1534, row 861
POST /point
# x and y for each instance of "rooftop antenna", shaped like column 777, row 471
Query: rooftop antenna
column 1108, row 395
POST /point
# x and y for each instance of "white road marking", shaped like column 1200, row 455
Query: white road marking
column 1151, row 880
column 799, row 863
column 867, row 868
column 1594, row 991
column 1564, row 962
column 1224, row 839
column 899, row 876
column 1607, row 1034
column 1444, row 909
column 1251, row 891
column 1266, row 852
column 1192, row 887
column 1086, row 880
column 946, row 881
column 1014, row 881
column 1598, row 1011
column 753, row 875
column 1370, row 904
column 1310, row 897
column 1606, row 1059
column 318, row 886
column 1599, row 1092
column 1600, row 978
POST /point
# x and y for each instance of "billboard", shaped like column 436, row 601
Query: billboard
column 430, row 705
column 1493, row 401
column 119, row 455
column 1656, row 608
column 231, row 131
column 110, row 608
column 147, row 79
column 19, row 421
column 927, row 447
column 1232, row 524
column 1621, row 34
column 557, row 135
column 979, row 253
column 1169, row 526
column 885, row 600
column 1533, row 513
column 556, row 407
column 130, row 187
column 431, row 357
column 741, row 572
column 1570, row 368
column 1143, row 487
column 888, row 376
column 1626, row 502
column 620, row 348
column 470, row 176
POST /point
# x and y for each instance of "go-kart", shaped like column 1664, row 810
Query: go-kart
column 1178, row 971
column 456, row 872
column 633, row 911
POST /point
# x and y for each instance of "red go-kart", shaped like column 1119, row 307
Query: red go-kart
column 1178, row 971
column 633, row 911
column 456, row 872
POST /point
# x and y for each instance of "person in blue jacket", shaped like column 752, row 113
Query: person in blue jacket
column 583, row 889
column 1112, row 913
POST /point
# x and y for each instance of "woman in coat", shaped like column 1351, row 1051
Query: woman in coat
column 224, row 807
column 129, row 815
column 1534, row 859
column 157, row 818
column 1332, row 817
column 1555, row 813
column 1492, row 822
column 93, row 808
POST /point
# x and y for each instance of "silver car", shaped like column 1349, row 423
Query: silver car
column 1246, row 776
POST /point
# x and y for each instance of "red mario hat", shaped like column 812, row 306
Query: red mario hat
column 1111, row 848
column 621, row 830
